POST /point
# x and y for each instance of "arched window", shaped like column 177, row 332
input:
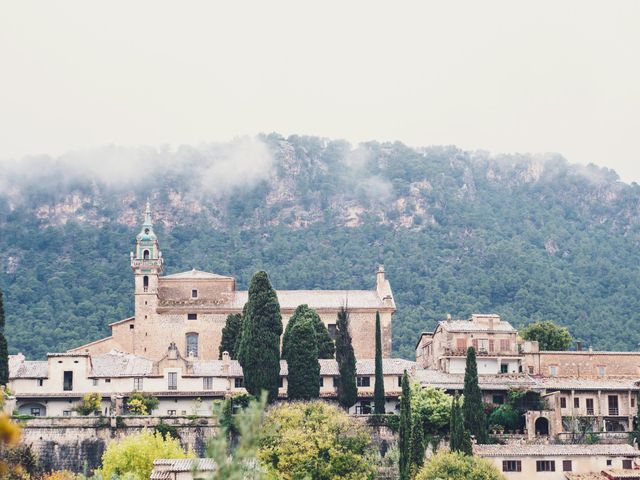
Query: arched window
column 145, row 283
column 192, row 344
column 145, row 255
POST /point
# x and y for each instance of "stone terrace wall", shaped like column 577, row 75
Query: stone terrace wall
column 69, row 442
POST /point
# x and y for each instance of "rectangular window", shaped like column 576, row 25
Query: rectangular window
column 400, row 381
column 107, row 380
column 280, row 382
column 613, row 405
column 576, row 402
column 207, row 383
column 173, row 380
column 553, row 370
column 137, row 383
column 194, row 293
column 504, row 368
column 171, row 413
column 461, row 344
column 627, row 464
column 66, row 413
column 566, row 466
column 40, row 382
column 491, row 345
column 332, row 330
column 504, row 346
column 192, row 316
column 601, row 371
column 132, row 326
column 67, row 381
column 238, row 382
column 35, row 411
column 609, row 462
column 511, row 466
column 364, row 408
column 363, row 381
column 498, row 399
column 321, row 381
column 563, row 402
column 633, row 402
column 94, row 382
column 545, row 466
column 589, row 406
column 530, row 370
column 483, row 345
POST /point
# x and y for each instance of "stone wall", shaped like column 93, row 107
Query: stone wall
column 583, row 364
column 69, row 442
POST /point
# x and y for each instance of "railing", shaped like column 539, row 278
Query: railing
column 463, row 353
column 613, row 411
column 590, row 411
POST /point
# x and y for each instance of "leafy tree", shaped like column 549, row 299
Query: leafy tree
column 10, row 433
column 304, row 369
column 259, row 352
column 136, row 407
column 4, row 354
column 326, row 348
column 149, row 401
column 239, row 461
column 433, row 407
column 134, row 454
column 314, row 440
column 459, row 439
column 404, row 441
column 230, row 334
column 378, row 392
column 347, row 386
column 475, row 421
column 548, row 335
column 458, row 466
column 91, row 403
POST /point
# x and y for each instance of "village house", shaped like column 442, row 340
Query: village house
column 189, row 309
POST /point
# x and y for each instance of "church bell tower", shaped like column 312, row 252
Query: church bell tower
column 146, row 264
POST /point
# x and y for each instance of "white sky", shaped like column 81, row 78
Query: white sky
column 504, row 76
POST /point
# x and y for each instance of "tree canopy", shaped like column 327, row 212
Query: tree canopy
column 324, row 343
column 548, row 335
column 230, row 335
column 346, row 359
column 458, row 466
column 303, row 379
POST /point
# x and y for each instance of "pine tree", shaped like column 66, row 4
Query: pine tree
column 4, row 354
column 346, row 359
column 378, row 392
column 404, row 442
column 325, row 345
column 304, row 368
column 259, row 352
column 230, row 334
column 475, row 420
column 417, row 444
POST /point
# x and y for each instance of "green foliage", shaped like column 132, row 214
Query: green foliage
column 433, row 407
column 506, row 416
column 136, row 407
column 548, row 335
column 459, row 438
column 230, row 333
column 134, row 454
column 314, row 440
column 239, row 462
column 146, row 400
column 378, row 392
column 4, row 353
column 404, row 434
column 324, row 343
column 417, row 444
column 475, row 420
column 19, row 462
column 347, row 386
column 389, row 420
column 303, row 380
column 90, row 404
column 458, row 466
column 167, row 430
column 259, row 352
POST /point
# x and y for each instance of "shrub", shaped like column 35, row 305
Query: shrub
column 457, row 466
column 149, row 401
column 90, row 404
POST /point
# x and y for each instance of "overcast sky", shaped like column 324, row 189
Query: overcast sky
column 504, row 76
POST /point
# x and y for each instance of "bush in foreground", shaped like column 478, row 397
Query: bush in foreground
column 457, row 466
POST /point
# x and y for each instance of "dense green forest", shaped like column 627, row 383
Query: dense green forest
column 528, row 237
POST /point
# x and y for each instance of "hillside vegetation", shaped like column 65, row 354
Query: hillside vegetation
column 527, row 237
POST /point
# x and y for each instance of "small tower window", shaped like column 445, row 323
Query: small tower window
column 192, row 316
column 192, row 344
column 194, row 293
column 145, row 255
column 145, row 283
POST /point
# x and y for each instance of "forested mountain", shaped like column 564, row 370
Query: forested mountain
column 528, row 237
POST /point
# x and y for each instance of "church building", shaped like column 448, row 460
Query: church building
column 188, row 310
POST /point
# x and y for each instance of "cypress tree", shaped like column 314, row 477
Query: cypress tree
column 325, row 345
column 459, row 439
column 404, row 442
column 259, row 352
column 417, row 444
column 230, row 334
column 475, row 420
column 4, row 354
column 378, row 392
column 304, row 368
column 346, row 359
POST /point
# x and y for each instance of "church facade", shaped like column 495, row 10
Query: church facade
column 189, row 309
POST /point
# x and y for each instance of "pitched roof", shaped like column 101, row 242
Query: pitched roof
column 547, row 450
column 164, row 467
column 196, row 274
column 472, row 326
column 29, row 369
column 119, row 364
column 606, row 383
column 319, row 299
column 452, row 381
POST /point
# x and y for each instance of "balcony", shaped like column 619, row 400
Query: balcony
column 613, row 411
column 454, row 352
column 590, row 411
column 138, row 263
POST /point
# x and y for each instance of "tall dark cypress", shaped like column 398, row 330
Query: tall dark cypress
column 259, row 352
column 459, row 440
column 378, row 392
column 230, row 334
column 404, row 442
column 346, row 359
column 4, row 354
column 417, row 443
column 475, row 420
column 326, row 348
column 304, row 369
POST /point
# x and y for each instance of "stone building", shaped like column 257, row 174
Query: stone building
column 189, row 309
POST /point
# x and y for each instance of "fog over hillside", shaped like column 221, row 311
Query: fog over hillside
column 527, row 236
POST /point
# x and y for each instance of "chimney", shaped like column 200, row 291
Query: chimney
column 578, row 345
column 448, row 317
column 380, row 278
column 590, row 349
column 490, row 323
column 226, row 361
